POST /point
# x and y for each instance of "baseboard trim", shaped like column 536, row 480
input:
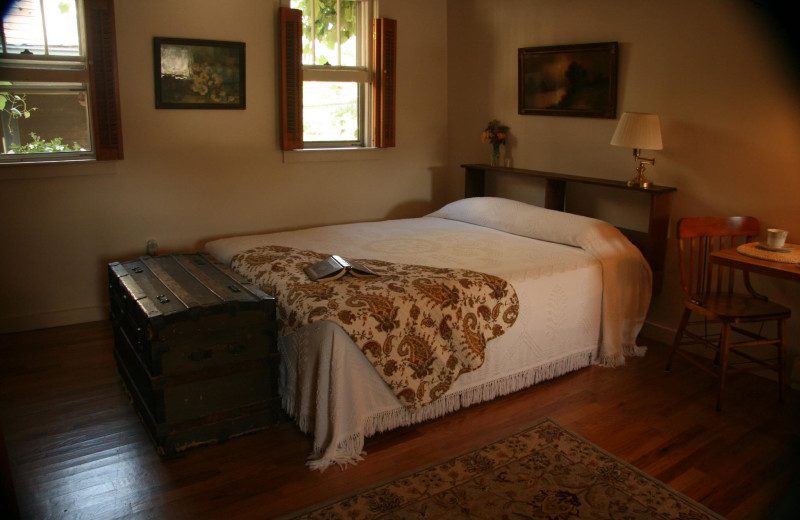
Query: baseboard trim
column 658, row 332
column 46, row 320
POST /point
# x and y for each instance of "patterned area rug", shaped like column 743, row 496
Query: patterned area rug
column 544, row 472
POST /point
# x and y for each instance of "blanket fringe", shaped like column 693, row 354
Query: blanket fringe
column 617, row 360
column 351, row 450
column 635, row 350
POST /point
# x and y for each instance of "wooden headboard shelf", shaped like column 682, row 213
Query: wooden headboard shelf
column 652, row 243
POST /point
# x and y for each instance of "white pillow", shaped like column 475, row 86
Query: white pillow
column 526, row 220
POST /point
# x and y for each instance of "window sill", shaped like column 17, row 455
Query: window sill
column 47, row 169
column 307, row 155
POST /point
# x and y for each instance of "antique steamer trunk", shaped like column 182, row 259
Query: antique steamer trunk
column 196, row 347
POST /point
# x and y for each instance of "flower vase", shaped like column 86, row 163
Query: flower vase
column 495, row 158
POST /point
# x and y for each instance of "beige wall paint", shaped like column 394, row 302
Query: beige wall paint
column 727, row 95
column 193, row 175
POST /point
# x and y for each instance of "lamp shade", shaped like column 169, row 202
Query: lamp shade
column 638, row 130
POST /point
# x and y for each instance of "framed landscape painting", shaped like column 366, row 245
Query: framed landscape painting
column 569, row 80
column 198, row 73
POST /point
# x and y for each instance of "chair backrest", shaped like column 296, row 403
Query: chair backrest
column 699, row 236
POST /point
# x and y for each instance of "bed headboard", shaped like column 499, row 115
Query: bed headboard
column 652, row 243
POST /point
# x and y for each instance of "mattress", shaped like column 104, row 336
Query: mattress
column 334, row 393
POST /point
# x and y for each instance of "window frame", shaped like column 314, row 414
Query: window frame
column 364, row 103
column 360, row 74
column 294, row 73
column 95, row 70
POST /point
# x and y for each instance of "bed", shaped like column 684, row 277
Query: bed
column 582, row 292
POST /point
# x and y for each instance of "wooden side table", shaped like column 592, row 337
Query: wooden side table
column 736, row 260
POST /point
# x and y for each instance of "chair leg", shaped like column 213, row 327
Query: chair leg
column 678, row 337
column 724, row 347
column 781, row 358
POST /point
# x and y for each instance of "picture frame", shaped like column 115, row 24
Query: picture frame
column 569, row 80
column 198, row 74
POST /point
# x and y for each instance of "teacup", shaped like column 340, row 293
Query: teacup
column 776, row 238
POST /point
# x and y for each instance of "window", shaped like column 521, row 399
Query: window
column 331, row 95
column 58, row 85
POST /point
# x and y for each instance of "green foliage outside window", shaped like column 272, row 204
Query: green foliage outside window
column 15, row 106
column 324, row 26
column 38, row 145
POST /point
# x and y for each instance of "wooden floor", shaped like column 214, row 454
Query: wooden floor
column 77, row 449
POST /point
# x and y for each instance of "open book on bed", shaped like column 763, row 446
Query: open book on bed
column 335, row 267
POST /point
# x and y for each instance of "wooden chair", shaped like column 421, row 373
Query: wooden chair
column 709, row 293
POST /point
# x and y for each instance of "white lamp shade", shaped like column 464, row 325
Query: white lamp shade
column 638, row 130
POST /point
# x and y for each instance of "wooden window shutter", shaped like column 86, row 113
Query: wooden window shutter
column 383, row 89
column 291, row 48
column 103, row 82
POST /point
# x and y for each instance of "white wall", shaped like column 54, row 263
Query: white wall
column 192, row 175
column 726, row 93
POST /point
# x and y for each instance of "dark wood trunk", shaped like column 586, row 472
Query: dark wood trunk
column 196, row 347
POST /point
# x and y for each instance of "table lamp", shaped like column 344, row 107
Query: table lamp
column 638, row 131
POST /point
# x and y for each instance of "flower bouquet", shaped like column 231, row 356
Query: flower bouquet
column 496, row 134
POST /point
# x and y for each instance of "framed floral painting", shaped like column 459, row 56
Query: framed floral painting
column 569, row 80
column 198, row 73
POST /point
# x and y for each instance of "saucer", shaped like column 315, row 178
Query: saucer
column 763, row 245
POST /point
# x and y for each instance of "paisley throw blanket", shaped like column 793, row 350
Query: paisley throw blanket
column 420, row 327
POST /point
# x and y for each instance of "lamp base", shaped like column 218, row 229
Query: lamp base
column 640, row 181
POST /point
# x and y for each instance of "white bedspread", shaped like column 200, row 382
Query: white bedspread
column 583, row 290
